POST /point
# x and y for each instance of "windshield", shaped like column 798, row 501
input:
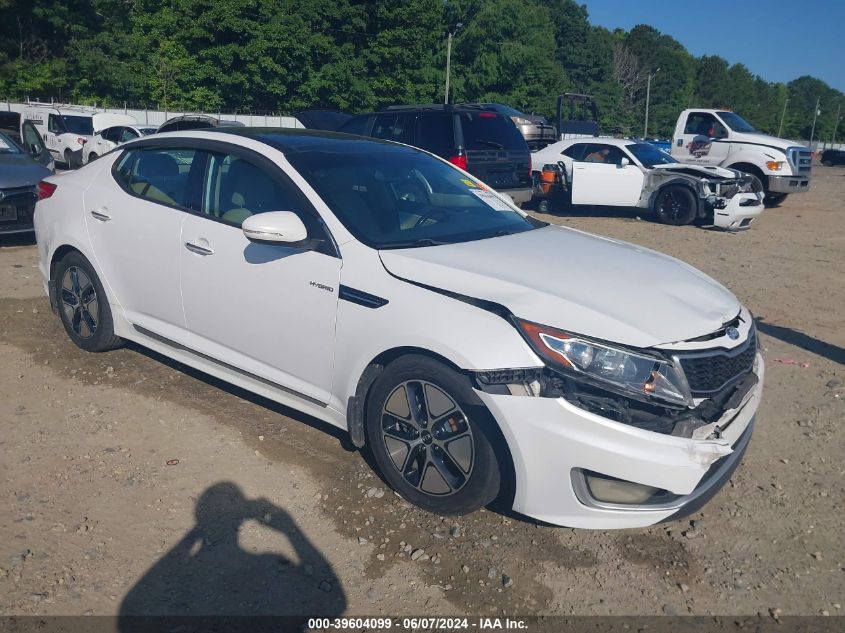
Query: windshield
column 8, row 146
column 79, row 124
column 649, row 155
column 397, row 197
column 736, row 122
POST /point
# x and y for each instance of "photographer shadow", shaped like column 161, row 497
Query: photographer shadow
column 207, row 574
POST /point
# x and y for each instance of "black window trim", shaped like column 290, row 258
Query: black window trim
column 328, row 245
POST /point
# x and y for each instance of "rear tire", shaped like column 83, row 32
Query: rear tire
column 83, row 305
column 427, row 431
column 92, row 157
column 676, row 205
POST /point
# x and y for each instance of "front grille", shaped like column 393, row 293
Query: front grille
column 802, row 160
column 710, row 371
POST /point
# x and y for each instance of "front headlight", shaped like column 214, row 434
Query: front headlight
column 631, row 373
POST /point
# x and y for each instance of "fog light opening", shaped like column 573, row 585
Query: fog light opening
column 608, row 489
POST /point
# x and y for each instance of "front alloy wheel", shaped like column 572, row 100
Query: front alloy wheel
column 431, row 436
column 428, row 438
column 676, row 205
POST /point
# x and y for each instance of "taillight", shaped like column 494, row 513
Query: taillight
column 46, row 189
column 460, row 160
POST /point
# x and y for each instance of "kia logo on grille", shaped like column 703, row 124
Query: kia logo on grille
column 732, row 333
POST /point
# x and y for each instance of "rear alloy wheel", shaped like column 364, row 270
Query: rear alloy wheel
column 676, row 205
column 83, row 307
column 68, row 159
column 425, row 427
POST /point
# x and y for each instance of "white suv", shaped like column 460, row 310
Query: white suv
column 381, row 289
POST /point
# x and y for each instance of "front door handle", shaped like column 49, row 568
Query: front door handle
column 199, row 250
column 101, row 215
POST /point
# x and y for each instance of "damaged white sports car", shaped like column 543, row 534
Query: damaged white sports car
column 625, row 173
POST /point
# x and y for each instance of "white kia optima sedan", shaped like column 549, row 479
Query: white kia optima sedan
column 477, row 352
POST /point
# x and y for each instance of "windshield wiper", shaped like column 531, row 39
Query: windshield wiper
column 490, row 143
column 423, row 241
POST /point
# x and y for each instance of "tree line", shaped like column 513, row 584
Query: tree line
column 359, row 55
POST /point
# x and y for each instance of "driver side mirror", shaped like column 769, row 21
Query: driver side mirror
column 624, row 162
column 274, row 227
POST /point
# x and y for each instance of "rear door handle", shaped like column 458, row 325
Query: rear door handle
column 101, row 215
column 199, row 250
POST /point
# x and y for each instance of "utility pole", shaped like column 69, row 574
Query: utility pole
column 815, row 114
column 782, row 115
column 451, row 31
column 647, row 99
column 836, row 125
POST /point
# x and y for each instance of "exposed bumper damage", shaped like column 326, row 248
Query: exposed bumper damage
column 584, row 457
column 725, row 195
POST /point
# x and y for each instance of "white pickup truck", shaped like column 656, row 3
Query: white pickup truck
column 721, row 138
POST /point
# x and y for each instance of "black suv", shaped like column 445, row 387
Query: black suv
column 833, row 157
column 475, row 138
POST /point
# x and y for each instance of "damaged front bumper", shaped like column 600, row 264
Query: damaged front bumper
column 737, row 213
column 557, row 447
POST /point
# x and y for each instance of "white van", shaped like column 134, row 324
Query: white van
column 66, row 129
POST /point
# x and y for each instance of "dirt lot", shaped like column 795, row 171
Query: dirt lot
column 129, row 484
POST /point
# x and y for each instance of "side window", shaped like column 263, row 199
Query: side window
column 168, row 176
column 356, row 125
column 704, row 124
column 600, row 153
column 110, row 134
column 236, row 188
column 127, row 134
column 435, row 133
column 575, row 152
column 32, row 137
column 55, row 124
column 390, row 127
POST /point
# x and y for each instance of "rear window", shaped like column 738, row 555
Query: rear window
column 488, row 130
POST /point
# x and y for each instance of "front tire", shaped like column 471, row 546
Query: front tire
column 676, row 205
column 774, row 199
column 427, row 431
column 83, row 306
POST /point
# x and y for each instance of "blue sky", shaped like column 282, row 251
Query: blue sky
column 779, row 40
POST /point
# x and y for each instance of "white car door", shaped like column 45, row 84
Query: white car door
column 134, row 215
column 599, row 177
column 268, row 310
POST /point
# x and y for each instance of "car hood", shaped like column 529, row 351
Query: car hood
column 764, row 139
column 705, row 171
column 19, row 170
column 582, row 283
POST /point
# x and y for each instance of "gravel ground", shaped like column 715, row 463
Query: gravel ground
column 131, row 484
